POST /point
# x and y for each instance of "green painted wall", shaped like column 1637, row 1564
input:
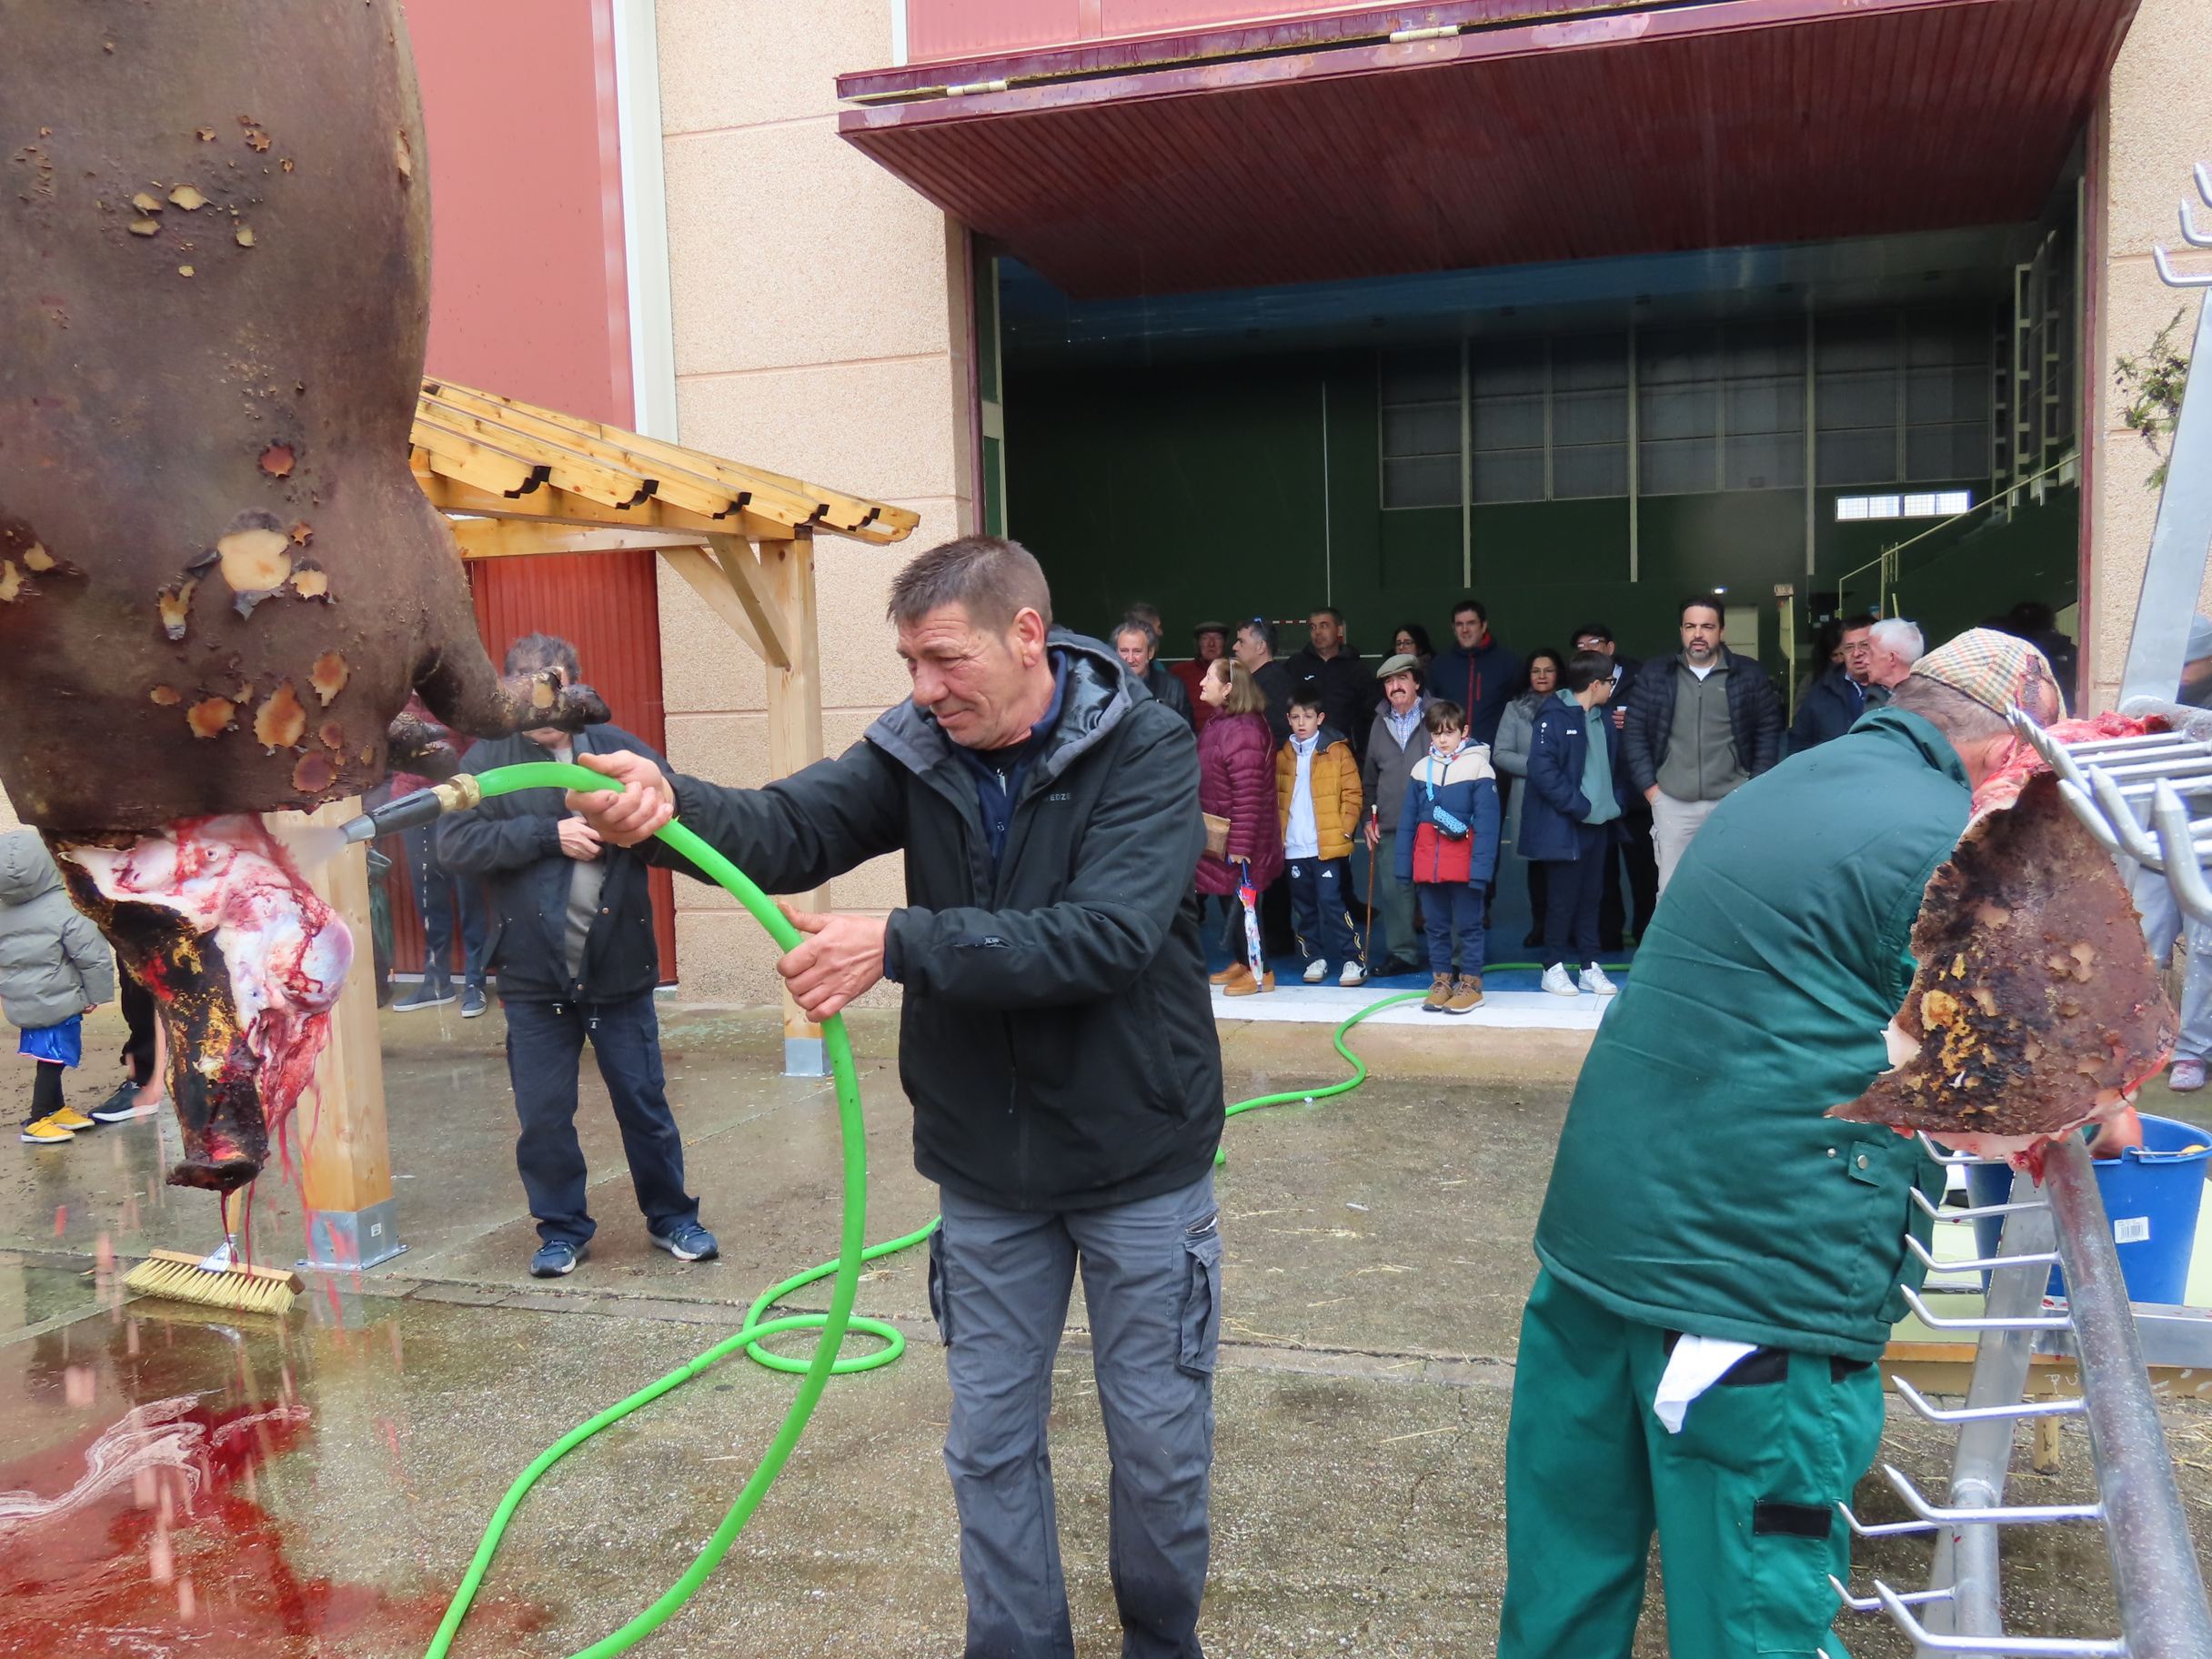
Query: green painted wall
column 1203, row 488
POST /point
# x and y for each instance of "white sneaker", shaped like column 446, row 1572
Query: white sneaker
column 1316, row 972
column 1353, row 974
column 1594, row 981
column 1555, row 980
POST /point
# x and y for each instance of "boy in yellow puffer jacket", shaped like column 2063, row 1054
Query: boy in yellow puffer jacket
column 1319, row 796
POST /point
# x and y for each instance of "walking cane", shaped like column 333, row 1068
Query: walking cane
column 1367, row 945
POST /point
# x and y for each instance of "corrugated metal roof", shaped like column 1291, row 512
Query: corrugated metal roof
column 1741, row 122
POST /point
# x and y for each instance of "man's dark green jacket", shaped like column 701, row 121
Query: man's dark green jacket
column 1698, row 1186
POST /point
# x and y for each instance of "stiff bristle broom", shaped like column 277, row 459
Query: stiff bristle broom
column 218, row 1280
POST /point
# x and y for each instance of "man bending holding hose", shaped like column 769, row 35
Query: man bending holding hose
column 1057, row 1040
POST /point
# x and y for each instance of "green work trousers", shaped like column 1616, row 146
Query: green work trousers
column 1743, row 1499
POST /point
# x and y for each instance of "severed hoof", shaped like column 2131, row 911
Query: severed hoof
column 215, row 1175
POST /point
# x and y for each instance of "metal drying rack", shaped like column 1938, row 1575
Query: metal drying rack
column 2114, row 785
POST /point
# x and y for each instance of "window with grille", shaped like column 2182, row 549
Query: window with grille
column 1420, row 426
column 1589, row 416
column 1902, row 398
column 1898, row 398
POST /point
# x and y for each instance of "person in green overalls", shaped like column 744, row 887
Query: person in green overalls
column 1720, row 1263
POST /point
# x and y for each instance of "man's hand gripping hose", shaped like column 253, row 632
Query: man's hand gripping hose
column 466, row 791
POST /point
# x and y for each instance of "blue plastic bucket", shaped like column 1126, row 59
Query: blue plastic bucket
column 2151, row 1197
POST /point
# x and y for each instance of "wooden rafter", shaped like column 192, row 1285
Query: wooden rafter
column 499, row 447
column 516, row 479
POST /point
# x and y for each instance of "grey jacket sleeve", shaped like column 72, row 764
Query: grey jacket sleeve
column 1509, row 754
column 1132, row 871
column 89, row 955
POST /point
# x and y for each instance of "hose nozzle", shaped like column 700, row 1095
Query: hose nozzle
column 456, row 794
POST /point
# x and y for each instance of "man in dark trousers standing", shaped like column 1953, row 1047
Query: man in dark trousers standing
column 1614, row 919
column 573, row 947
column 1700, row 726
column 1057, row 1040
column 1330, row 671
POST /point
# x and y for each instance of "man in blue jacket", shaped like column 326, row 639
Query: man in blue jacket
column 1477, row 673
column 1571, row 816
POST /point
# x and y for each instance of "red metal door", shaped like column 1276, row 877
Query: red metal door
column 607, row 605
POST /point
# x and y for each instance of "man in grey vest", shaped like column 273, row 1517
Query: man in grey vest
column 1700, row 726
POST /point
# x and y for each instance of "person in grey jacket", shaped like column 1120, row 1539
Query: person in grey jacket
column 1546, row 672
column 55, row 969
column 1394, row 742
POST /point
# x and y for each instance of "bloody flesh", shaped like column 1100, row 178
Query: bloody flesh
column 217, row 907
column 2035, row 1007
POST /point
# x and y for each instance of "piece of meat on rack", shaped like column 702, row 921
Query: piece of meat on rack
column 2035, row 1008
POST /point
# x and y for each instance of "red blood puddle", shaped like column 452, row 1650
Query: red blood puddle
column 146, row 1534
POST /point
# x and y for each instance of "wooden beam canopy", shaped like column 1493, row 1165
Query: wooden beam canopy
column 514, row 479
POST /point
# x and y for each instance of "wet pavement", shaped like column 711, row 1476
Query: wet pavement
column 178, row 1482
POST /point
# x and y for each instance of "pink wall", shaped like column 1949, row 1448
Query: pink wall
column 975, row 28
column 526, row 294
column 528, row 299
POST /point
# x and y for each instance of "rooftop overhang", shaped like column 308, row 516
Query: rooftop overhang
column 1493, row 132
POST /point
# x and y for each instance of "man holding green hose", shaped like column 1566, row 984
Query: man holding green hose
column 1057, row 1042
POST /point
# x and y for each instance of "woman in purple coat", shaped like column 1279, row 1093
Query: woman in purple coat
column 1236, row 780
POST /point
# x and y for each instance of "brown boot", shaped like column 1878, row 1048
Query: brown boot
column 1439, row 1000
column 1228, row 976
column 1246, row 986
column 1466, row 994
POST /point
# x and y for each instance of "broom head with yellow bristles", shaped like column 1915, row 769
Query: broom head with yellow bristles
column 214, row 1281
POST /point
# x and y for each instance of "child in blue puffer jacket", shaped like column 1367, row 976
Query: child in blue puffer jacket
column 1448, row 849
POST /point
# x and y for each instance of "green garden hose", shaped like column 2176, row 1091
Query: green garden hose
column 827, row 1360
column 832, row 1325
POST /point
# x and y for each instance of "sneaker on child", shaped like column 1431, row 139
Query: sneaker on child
column 46, row 1131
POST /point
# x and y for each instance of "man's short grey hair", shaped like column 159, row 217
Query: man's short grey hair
column 993, row 579
column 535, row 651
column 1951, row 712
column 1895, row 634
column 1137, row 625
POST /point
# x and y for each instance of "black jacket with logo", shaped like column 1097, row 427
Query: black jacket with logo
column 1344, row 686
column 1056, row 1040
column 514, row 841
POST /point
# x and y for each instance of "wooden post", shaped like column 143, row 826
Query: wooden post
column 344, row 1160
column 795, row 740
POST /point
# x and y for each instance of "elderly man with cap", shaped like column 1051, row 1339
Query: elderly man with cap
column 1720, row 1262
column 1394, row 742
column 2163, row 923
column 1209, row 641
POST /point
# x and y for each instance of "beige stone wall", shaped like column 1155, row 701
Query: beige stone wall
column 822, row 329
column 2158, row 124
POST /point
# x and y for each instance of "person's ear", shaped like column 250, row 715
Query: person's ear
column 1028, row 637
